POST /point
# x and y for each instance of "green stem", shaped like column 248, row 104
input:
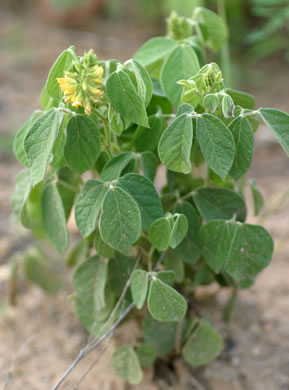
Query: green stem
column 229, row 308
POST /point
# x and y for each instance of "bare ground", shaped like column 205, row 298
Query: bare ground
column 257, row 344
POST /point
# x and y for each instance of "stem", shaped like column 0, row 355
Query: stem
column 229, row 308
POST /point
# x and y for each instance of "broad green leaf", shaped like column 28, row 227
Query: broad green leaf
column 161, row 335
column 241, row 98
column 257, row 197
column 39, row 271
column 175, row 144
column 77, row 253
column 125, row 362
column 53, row 217
column 216, row 237
column 88, row 205
column 165, row 303
column 182, row 63
column 120, row 222
column 184, row 109
column 143, row 80
column 89, row 280
column 18, row 141
column 167, row 277
column 179, row 231
column 147, row 354
column 244, row 141
column 102, row 249
column 278, row 123
column 39, row 142
column 173, row 263
column 217, row 144
column 242, row 249
column 251, row 251
column 82, row 147
column 215, row 28
column 154, row 50
column 189, row 249
column 147, row 139
column 144, row 193
column 139, row 287
column 113, row 168
column 159, row 234
column 120, row 269
column 124, row 98
column 149, row 163
column 67, row 186
column 204, row 345
column 219, row 203
column 61, row 64
column 21, row 192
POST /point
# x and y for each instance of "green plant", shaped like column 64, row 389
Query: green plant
column 119, row 123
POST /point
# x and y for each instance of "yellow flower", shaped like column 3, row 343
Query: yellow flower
column 82, row 87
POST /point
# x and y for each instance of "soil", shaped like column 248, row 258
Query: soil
column 43, row 332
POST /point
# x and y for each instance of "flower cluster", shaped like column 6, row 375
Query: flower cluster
column 82, row 87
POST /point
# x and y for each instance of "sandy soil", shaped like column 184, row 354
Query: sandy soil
column 257, row 344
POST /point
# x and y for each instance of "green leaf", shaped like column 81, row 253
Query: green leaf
column 278, row 123
column 154, row 50
column 167, row 277
column 217, row 144
column 139, row 287
column 101, row 247
column 18, row 142
column 257, row 197
column 113, row 168
column 125, row 362
column 39, row 142
column 67, row 186
column 165, row 303
column 189, row 249
column 242, row 249
column 89, row 280
column 61, row 64
column 147, row 139
column 120, row 269
column 242, row 99
column 21, row 192
column 120, row 222
column 219, row 203
column 88, row 205
column 53, row 217
column 159, row 234
column 143, row 80
column 39, row 271
column 161, row 335
column 175, row 144
column 149, row 164
column 251, row 251
column 204, row 345
column 211, row 101
column 82, row 147
column 215, row 27
column 228, row 106
column 244, row 141
column 147, row 354
column 144, row 193
column 179, row 231
column 174, row 263
column 125, row 99
column 216, row 237
column 182, row 63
